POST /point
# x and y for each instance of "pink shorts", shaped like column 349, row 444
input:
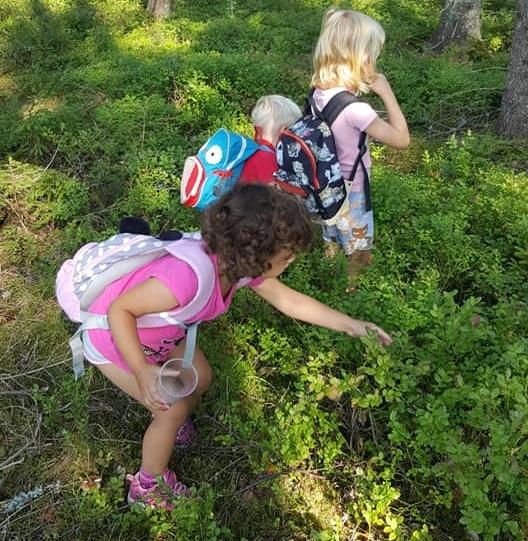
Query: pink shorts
column 90, row 353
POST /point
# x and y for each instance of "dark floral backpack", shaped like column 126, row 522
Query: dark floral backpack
column 308, row 163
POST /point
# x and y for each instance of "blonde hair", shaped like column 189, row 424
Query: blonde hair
column 275, row 112
column 346, row 51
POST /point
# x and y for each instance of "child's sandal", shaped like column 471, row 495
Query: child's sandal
column 161, row 495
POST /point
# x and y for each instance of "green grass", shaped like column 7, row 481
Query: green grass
column 304, row 434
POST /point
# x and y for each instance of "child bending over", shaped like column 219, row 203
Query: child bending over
column 254, row 231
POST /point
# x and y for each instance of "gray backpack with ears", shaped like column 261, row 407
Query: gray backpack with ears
column 83, row 278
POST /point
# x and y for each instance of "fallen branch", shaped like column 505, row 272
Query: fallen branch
column 10, row 461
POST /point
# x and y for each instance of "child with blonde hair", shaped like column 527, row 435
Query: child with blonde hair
column 345, row 59
column 270, row 115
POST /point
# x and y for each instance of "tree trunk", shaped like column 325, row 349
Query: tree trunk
column 513, row 118
column 459, row 22
column 159, row 9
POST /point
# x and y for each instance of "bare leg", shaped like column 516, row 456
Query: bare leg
column 159, row 437
column 357, row 262
column 331, row 248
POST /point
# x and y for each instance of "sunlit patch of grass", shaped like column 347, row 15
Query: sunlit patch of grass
column 8, row 85
column 314, row 504
column 41, row 104
column 404, row 161
column 160, row 40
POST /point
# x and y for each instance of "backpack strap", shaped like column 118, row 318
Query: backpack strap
column 336, row 105
column 191, row 252
column 362, row 148
column 265, row 149
column 332, row 109
column 309, row 104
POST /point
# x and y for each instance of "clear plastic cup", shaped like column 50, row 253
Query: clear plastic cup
column 176, row 381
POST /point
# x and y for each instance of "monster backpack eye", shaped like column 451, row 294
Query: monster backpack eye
column 213, row 155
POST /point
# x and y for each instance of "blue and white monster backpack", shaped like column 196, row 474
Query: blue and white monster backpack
column 215, row 169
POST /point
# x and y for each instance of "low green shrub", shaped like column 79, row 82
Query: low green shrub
column 305, row 434
column 41, row 197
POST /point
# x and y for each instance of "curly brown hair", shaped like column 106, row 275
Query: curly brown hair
column 251, row 224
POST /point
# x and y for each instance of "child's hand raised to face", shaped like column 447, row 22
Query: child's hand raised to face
column 380, row 85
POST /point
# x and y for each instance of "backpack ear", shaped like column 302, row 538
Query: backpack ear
column 171, row 234
column 134, row 225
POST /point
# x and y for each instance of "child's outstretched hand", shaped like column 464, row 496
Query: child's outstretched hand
column 360, row 328
column 146, row 379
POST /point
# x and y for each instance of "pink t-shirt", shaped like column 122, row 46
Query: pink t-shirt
column 181, row 280
column 346, row 129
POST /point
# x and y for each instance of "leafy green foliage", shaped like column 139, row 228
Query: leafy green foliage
column 305, row 434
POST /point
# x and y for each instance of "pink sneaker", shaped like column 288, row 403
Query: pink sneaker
column 159, row 496
column 186, row 434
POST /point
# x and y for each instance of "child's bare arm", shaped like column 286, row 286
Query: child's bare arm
column 393, row 132
column 148, row 297
column 299, row 306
